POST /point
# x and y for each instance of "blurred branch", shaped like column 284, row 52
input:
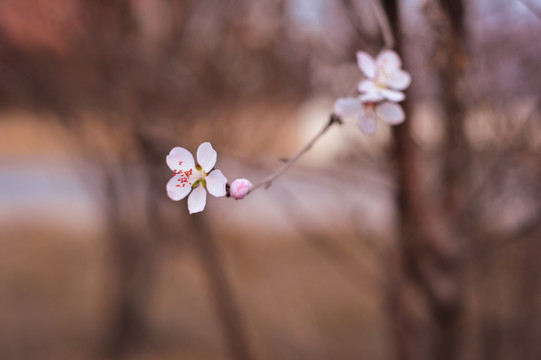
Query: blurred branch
column 505, row 154
column 384, row 23
column 354, row 21
column 488, row 243
column 536, row 11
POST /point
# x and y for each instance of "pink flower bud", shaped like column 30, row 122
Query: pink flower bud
column 239, row 188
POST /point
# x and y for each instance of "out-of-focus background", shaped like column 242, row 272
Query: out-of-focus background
column 421, row 242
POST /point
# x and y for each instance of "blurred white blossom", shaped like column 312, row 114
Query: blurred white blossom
column 379, row 92
column 384, row 78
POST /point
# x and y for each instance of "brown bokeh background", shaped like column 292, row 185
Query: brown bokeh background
column 418, row 243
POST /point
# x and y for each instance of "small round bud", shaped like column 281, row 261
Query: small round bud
column 239, row 188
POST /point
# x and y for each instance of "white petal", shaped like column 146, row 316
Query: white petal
column 371, row 97
column 180, row 159
column 367, row 86
column 346, row 107
column 367, row 122
column 388, row 61
column 197, row 200
column 391, row 113
column 366, row 64
column 216, row 183
column 392, row 95
column 177, row 190
column 206, row 156
column 399, row 80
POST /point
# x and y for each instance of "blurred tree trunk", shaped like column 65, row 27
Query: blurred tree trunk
column 426, row 293
column 528, row 313
column 448, row 21
column 134, row 251
column 227, row 308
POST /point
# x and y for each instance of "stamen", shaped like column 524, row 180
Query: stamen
column 184, row 177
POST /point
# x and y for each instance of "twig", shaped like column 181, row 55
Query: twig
column 535, row 11
column 383, row 23
column 354, row 21
column 267, row 182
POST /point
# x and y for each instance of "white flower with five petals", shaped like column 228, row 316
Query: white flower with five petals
column 385, row 80
column 194, row 178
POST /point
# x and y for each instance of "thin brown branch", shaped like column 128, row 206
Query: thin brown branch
column 267, row 182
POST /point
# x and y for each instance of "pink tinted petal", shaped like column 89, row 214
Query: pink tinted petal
column 197, row 200
column 391, row 113
column 239, row 188
column 388, row 61
column 177, row 190
column 399, row 80
column 206, row 156
column 366, row 64
column 392, row 95
column 367, row 122
column 216, row 183
column 371, row 97
column 180, row 159
column 346, row 107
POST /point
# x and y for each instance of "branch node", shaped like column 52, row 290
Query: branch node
column 335, row 119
